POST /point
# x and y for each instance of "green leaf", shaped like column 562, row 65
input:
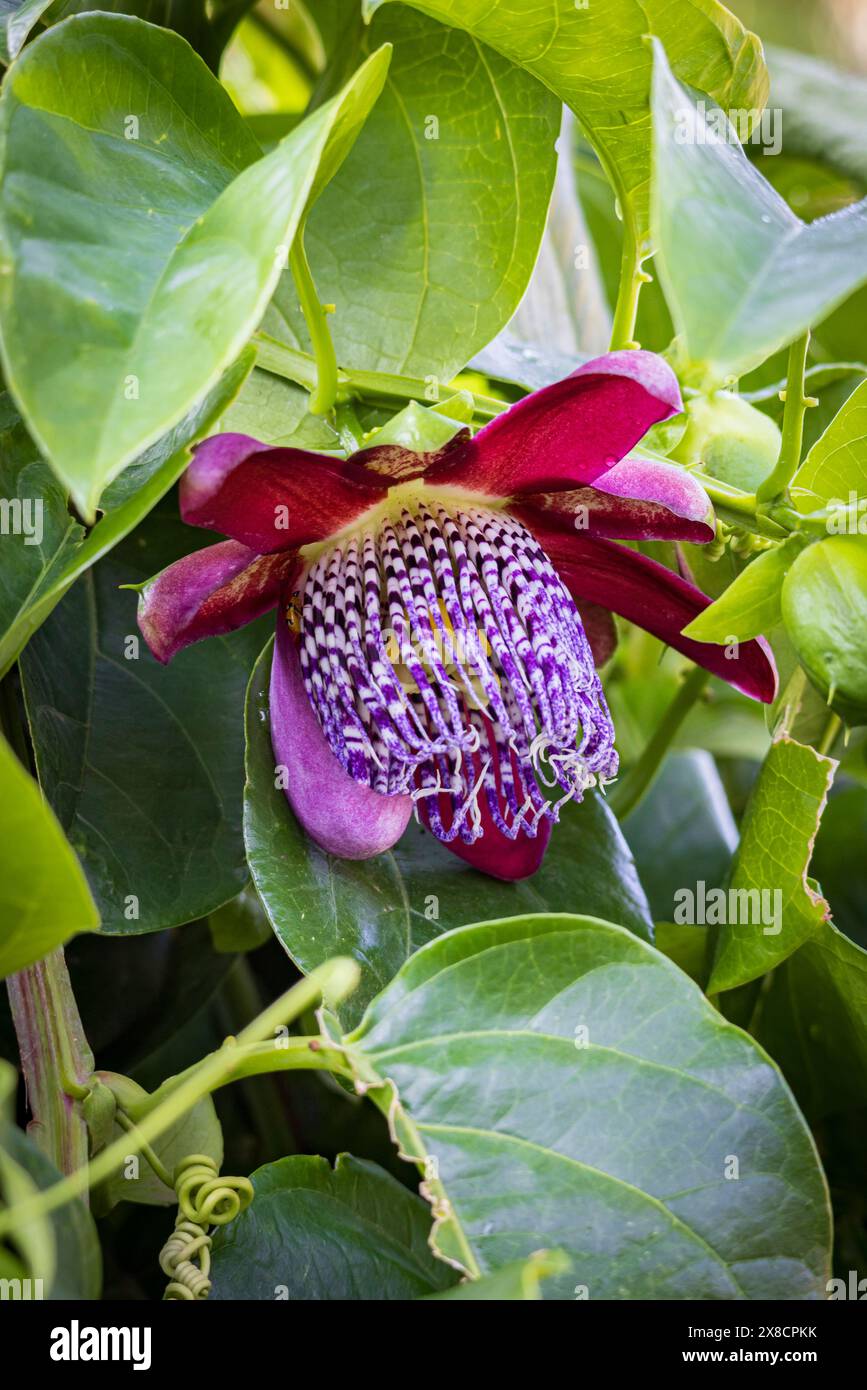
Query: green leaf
column 565, row 306
column 35, row 578
column 561, row 1083
column 751, row 605
column 836, row 466
column 207, row 27
column 682, row 831
column 17, row 18
column 44, row 898
column 598, row 63
column 317, row 1232
column 197, row 1131
column 685, row 945
column 813, row 1019
column 742, row 274
column 70, row 1229
column 380, row 910
column 776, row 906
column 425, row 251
column 518, row 1282
column 107, row 346
column 240, row 925
column 39, row 535
column 824, row 606
column 275, row 411
column 142, row 763
column 824, row 110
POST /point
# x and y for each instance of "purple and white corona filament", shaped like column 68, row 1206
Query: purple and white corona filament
column 442, row 612
column 446, row 660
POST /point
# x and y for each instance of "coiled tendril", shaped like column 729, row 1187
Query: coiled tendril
column 204, row 1199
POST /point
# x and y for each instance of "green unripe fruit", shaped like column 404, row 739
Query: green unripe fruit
column 736, row 443
column 824, row 605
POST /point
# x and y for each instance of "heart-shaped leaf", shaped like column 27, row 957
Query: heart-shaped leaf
column 381, row 910
column 317, row 1232
column 561, row 1083
column 162, row 286
column 742, row 274
column 597, row 62
column 424, row 252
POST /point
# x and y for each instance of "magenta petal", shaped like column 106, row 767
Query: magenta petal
column 659, row 601
column 342, row 816
column 637, row 499
column 210, row 592
column 569, row 433
column 273, row 499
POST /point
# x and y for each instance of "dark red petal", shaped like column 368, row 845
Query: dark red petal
column 210, row 592
column 342, row 816
column 273, row 499
column 400, row 465
column 658, row 600
column 638, row 499
column 569, row 433
column 601, row 633
column 494, row 853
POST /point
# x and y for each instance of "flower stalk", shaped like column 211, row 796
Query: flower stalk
column 324, row 395
column 775, row 486
column 386, row 387
column 632, row 277
column 55, row 1058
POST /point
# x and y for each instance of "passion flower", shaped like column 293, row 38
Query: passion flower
column 442, row 610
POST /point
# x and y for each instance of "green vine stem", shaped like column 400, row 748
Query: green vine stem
column 324, row 396
column 55, row 1059
column 386, row 387
column 775, row 486
column 334, row 980
column 631, row 788
column 632, row 277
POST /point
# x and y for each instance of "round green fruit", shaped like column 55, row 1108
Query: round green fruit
column 736, row 443
column 824, row 605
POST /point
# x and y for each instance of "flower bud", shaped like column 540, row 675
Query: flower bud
column 735, row 442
